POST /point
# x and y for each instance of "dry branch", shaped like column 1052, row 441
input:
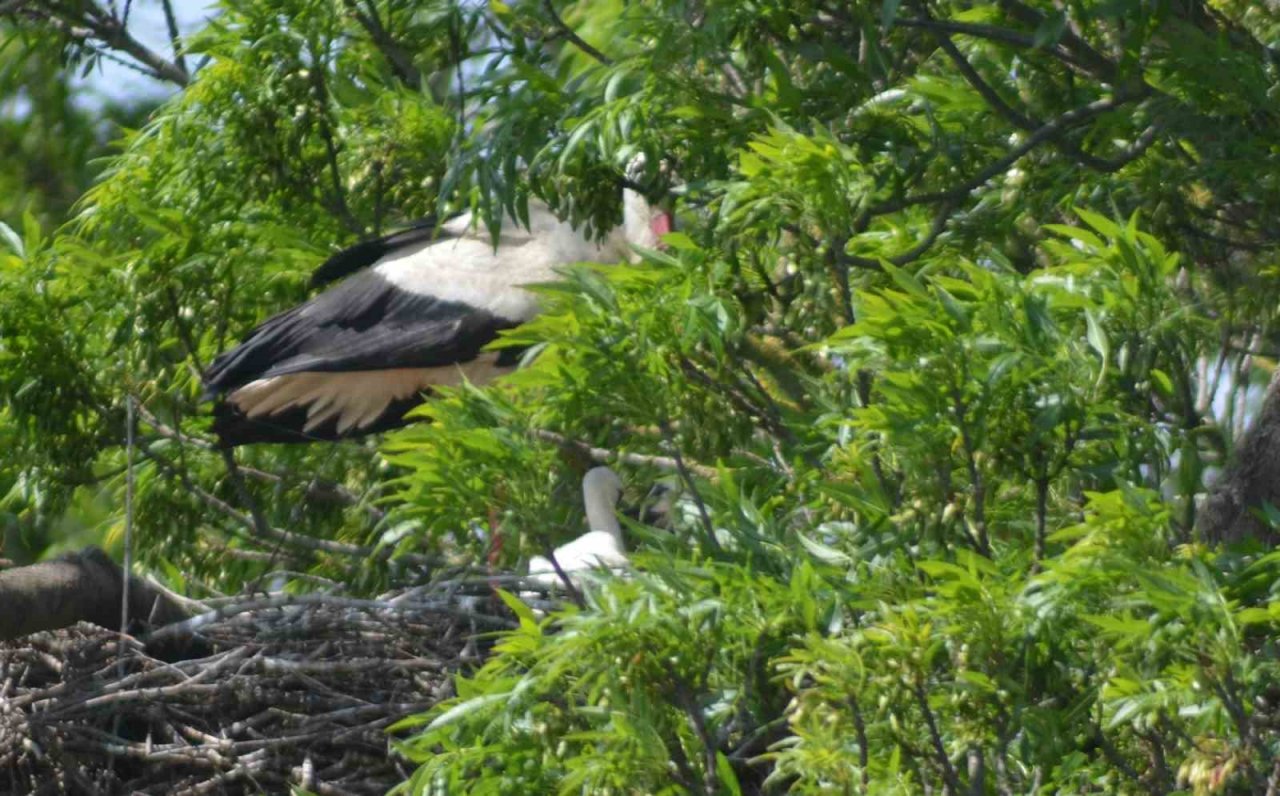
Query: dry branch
column 293, row 691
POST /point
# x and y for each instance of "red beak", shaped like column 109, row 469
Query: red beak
column 661, row 224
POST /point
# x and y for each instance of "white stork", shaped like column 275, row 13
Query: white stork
column 414, row 311
column 601, row 546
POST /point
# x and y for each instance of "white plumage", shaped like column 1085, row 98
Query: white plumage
column 601, row 546
column 463, row 266
column 415, row 311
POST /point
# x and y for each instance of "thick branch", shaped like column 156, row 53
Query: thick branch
column 94, row 22
column 1232, row 510
column 606, row 456
column 78, row 587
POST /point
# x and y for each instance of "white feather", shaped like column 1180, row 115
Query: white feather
column 599, row 547
column 468, row 269
column 355, row 398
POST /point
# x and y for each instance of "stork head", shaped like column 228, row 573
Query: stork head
column 643, row 223
column 604, row 484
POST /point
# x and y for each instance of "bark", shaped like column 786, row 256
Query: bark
column 84, row 586
column 1231, row 511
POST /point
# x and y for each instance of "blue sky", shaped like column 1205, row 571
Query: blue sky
column 146, row 23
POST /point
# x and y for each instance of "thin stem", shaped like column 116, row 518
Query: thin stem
column 687, row 477
column 569, row 588
column 572, row 37
column 1042, row 503
column 129, row 486
column 175, row 38
column 935, row 737
column 606, row 456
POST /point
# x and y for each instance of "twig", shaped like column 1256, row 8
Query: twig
column 400, row 60
column 685, row 476
column 948, row 771
column 572, row 37
column 864, row 753
column 606, row 456
column 276, row 601
column 1113, row 755
column 685, row 698
column 257, row 520
column 129, row 485
column 570, row 589
column 1042, row 134
column 266, row 531
column 94, row 22
column 175, row 38
column 331, row 148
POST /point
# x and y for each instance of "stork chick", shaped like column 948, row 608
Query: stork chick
column 601, row 546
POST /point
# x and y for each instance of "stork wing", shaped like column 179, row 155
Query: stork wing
column 352, row 360
column 363, row 323
column 414, row 313
column 366, row 253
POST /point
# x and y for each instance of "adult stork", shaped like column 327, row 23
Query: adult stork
column 600, row 546
column 414, row 312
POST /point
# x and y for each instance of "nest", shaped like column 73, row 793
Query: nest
column 258, row 696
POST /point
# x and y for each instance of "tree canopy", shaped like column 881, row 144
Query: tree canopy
column 967, row 305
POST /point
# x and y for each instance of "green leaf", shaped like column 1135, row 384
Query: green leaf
column 822, row 552
column 466, row 708
column 725, row 774
column 1098, row 342
column 1162, row 381
column 1254, row 616
column 908, row 282
column 12, row 239
column 523, row 612
column 1100, row 223
column 1120, row 625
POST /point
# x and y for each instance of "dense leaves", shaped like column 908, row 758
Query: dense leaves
column 966, row 303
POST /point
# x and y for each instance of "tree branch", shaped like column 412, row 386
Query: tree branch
column 935, row 737
column 573, row 38
column 400, row 60
column 175, row 38
column 685, row 476
column 91, row 21
column 606, row 456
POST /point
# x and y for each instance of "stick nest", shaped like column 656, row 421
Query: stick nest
column 281, row 692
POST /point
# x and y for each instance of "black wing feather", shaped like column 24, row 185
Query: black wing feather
column 366, row 253
column 363, row 323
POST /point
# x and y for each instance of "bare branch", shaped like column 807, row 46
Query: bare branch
column 606, row 456
column 685, row 476
column 175, row 37
column 573, row 38
column 89, row 22
column 277, row 601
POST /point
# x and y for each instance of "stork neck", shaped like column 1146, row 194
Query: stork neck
column 637, row 220
column 601, row 515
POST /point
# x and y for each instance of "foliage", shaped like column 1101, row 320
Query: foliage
column 966, row 302
column 53, row 134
